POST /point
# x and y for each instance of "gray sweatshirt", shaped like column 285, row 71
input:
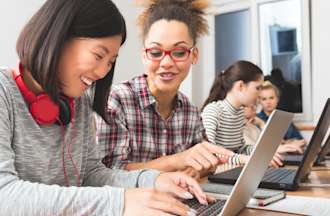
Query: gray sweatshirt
column 32, row 180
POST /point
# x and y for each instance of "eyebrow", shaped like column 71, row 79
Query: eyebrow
column 106, row 50
column 177, row 43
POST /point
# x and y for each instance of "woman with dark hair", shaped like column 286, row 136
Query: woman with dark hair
column 48, row 159
column 223, row 111
column 151, row 123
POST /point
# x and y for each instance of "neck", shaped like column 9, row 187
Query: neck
column 233, row 100
column 164, row 102
column 267, row 112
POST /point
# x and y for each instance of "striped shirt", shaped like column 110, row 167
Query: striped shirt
column 137, row 133
column 224, row 126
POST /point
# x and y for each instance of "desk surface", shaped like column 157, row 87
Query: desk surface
column 318, row 175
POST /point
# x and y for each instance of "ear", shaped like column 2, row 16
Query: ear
column 195, row 55
column 239, row 85
column 144, row 56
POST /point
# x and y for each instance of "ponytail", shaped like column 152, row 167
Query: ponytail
column 224, row 81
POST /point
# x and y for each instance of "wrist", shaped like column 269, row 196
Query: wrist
column 176, row 161
column 147, row 178
column 241, row 159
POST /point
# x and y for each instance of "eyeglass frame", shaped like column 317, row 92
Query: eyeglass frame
column 168, row 52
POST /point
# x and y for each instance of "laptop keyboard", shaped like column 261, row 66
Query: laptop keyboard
column 206, row 210
column 276, row 175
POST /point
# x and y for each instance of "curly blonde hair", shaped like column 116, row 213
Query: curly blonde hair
column 190, row 12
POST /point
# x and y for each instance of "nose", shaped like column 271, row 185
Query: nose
column 167, row 61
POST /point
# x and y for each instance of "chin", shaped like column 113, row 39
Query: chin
column 73, row 94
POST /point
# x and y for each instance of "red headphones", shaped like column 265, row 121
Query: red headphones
column 42, row 107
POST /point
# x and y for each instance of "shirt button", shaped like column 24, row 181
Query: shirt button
column 164, row 131
column 164, row 153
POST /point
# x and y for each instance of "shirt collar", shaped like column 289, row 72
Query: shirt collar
column 146, row 99
column 230, row 107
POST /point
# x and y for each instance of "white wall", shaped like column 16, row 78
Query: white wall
column 129, row 62
column 320, row 55
column 14, row 14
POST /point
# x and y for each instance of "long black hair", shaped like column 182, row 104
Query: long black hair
column 42, row 39
column 224, row 81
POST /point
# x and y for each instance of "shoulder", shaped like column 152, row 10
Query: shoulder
column 262, row 115
column 186, row 103
column 122, row 90
column 7, row 83
column 124, row 97
column 215, row 108
column 122, row 94
column 5, row 76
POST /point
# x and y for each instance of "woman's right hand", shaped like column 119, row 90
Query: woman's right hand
column 146, row 202
column 277, row 161
column 203, row 156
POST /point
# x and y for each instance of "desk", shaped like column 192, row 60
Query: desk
column 317, row 176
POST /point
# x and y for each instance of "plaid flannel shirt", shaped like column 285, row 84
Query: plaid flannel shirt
column 137, row 133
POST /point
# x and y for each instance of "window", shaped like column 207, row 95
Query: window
column 275, row 34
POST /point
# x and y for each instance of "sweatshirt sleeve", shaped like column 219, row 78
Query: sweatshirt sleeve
column 97, row 174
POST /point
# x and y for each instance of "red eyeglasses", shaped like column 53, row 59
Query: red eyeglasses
column 178, row 54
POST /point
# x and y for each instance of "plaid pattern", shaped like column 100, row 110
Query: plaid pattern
column 137, row 133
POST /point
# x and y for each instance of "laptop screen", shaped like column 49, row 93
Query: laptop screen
column 314, row 146
column 325, row 149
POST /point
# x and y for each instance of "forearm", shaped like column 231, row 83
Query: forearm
column 20, row 197
column 305, row 126
column 99, row 175
column 166, row 164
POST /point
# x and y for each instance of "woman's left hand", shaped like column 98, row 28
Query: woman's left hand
column 289, row 148
column 182, row 186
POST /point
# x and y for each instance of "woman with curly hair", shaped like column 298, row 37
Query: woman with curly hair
column 150, row 123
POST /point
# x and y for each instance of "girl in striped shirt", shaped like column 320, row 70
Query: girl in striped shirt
column 223, row 111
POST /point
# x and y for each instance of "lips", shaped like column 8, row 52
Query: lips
column 167, row 76
column 86, row 80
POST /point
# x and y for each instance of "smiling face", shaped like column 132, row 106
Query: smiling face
column 166, row 75
column 85, row 60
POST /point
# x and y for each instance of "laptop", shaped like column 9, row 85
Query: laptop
column 315, row 143
column 282, row 178
column 324, row 152
column 252, row 172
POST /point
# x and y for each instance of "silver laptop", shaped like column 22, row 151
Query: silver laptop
column 287, row 178
column 253, row 171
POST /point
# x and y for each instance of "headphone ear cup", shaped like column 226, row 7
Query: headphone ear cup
column 44, row 110
column 65, row 111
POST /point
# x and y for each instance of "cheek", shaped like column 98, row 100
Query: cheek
column 274, row 102
column 184, row 69
column 152, row 67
